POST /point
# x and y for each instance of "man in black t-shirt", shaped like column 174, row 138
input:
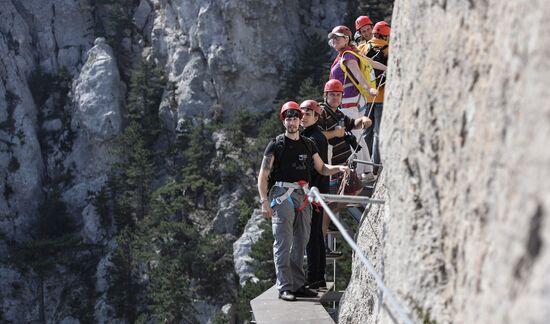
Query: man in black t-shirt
column 315, row 250
column 288, row 159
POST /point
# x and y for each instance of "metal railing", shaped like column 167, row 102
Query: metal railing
column 316, row 196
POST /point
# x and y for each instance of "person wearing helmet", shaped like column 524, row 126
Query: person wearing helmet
column 381, row 30
column 315, row 249
column 336, row 127
column 340, row 40
column 363, row 27
column 287, row 161
column 377, row 48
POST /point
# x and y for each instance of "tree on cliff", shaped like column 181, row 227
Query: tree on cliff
column 123, row 278
column 198, row 176
column 136, row 166
column 131, row 186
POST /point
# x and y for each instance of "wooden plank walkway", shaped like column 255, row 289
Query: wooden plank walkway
column 269, row 309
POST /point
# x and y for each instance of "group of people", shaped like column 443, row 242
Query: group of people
column 348, row 117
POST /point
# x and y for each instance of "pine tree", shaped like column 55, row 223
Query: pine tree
column 136, row 167
column 147, row 84
column 169, row 302
column 55, row 236
column 377, row 10
column 130, row 190
column 135, row 172
column 312, row 63
column 197, row 175
column 123, row 278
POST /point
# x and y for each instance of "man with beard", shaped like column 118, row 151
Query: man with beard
column 287, row 162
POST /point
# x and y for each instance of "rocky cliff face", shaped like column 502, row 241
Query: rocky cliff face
column 226, row 55
column 464, row 233
column 231, row 54
column 62, row 105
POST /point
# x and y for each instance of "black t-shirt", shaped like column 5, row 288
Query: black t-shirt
column 327, row 122
column 295, row 158
column 318, row 180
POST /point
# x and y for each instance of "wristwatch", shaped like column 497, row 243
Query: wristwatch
column 262, row 200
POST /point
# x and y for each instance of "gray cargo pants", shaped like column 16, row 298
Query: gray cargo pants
column 291, row 233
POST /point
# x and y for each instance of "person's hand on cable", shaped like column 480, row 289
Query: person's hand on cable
column 366, row 122
column 343, row 168
column 373, row 91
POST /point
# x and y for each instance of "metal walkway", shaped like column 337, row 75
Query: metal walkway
column 269, row 309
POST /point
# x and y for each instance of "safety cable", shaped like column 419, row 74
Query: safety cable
column 377, row 88
column 315, row 196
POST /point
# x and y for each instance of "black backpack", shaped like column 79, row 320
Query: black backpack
column 279, row 152
column 377, row 54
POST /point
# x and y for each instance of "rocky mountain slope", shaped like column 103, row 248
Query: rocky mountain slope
column 66, row 69
column 464, row 234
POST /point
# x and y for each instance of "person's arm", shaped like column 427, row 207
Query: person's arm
column 338, row 132
column 263, row 178
column 354, row 69
column 327, row 169
column 375, row 64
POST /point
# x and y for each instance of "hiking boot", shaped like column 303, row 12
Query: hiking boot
column 287, row 295
column 321, row 284
column 305, row 292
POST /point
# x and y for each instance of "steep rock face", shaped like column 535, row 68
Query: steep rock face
column 243, row 246
column 18, row 142
column 229, row 54
column 32, row 40
column 464, row 138
column 97, row 119
column 232, row 54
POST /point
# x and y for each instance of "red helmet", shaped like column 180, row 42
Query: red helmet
column 311, row 104
column 334, row 85
column 381, row 28
column 340, row 31
column 290, row 105
column 362, row 21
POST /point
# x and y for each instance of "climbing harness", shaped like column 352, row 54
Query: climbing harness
column 291, row 186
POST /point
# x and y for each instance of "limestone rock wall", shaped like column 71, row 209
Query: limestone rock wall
column 232, row 54
column 465, row 230
column 33, row 43
column 217, row 54
column 62, row 94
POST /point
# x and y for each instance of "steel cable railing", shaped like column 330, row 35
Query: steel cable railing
column 315, row 196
